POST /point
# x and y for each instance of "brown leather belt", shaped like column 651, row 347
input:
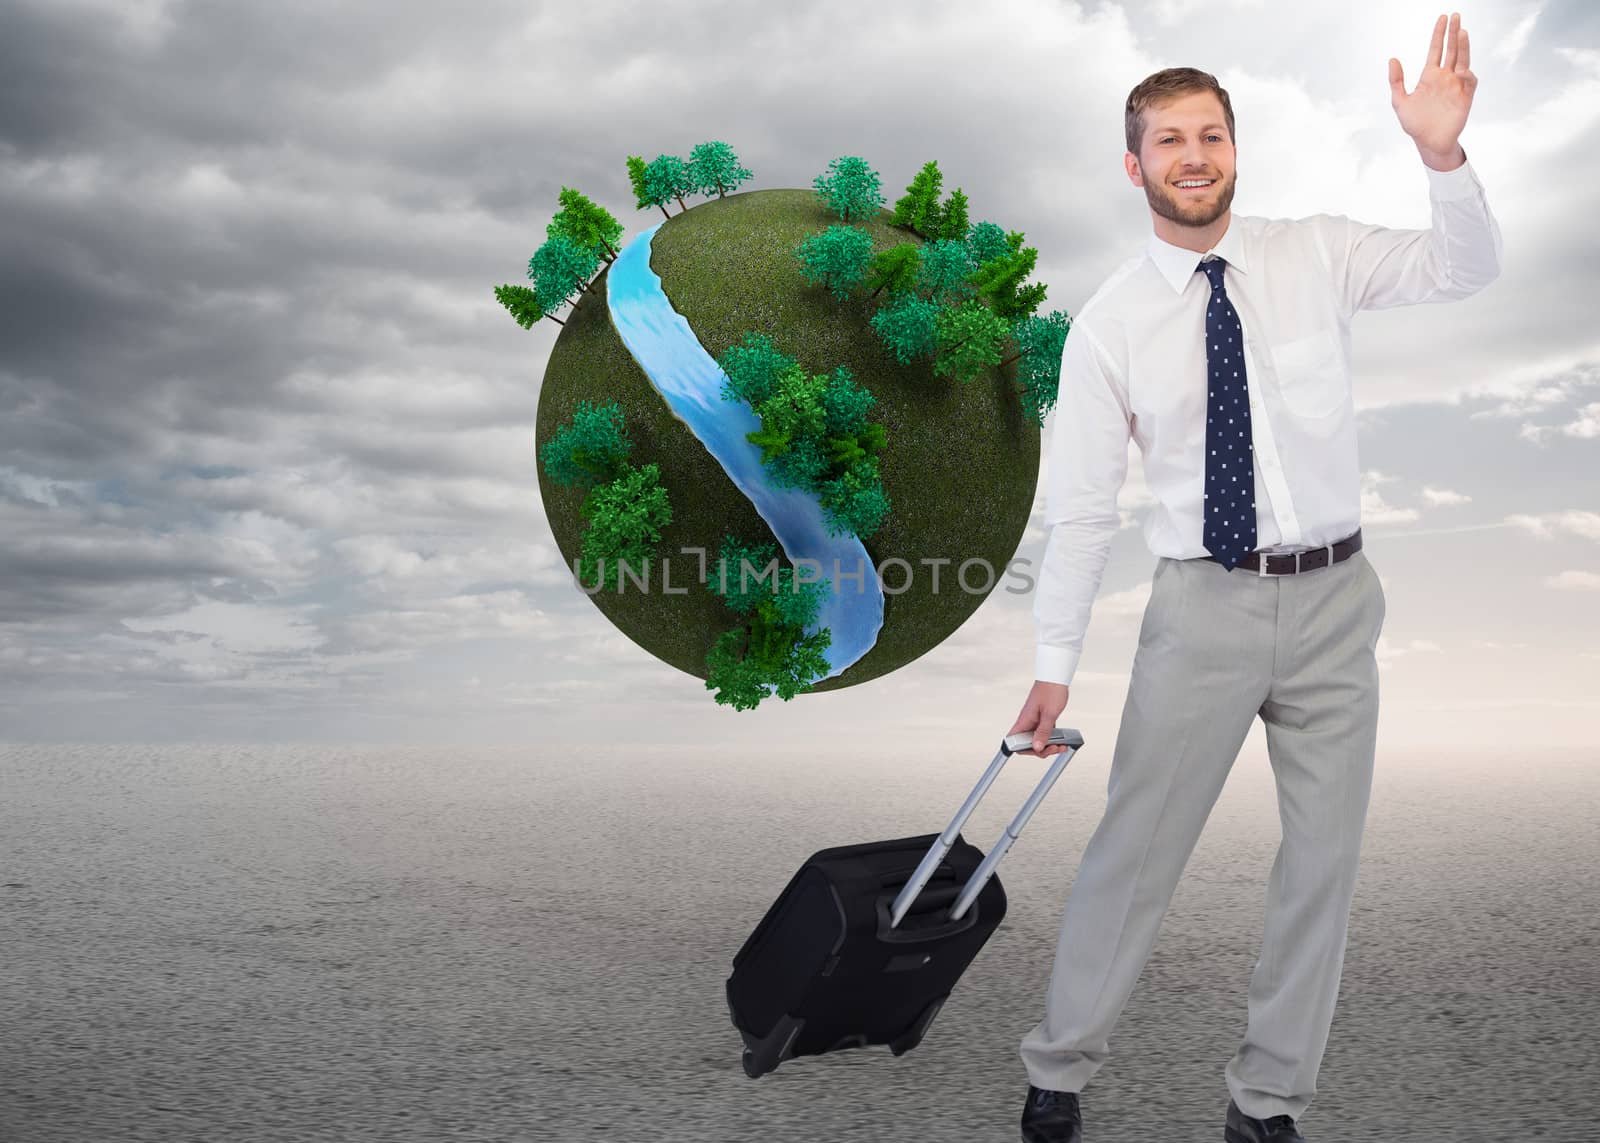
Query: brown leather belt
column 1288, row 563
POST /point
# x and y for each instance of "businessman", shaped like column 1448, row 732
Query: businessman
column 1223, row 350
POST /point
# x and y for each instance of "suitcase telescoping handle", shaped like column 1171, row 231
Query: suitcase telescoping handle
column 1061, row 736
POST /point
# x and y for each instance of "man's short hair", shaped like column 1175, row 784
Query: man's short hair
column 1168, row 84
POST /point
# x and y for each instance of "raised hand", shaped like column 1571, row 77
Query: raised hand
column 1435, row 111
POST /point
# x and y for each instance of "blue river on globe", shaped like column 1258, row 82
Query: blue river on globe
column 690, row 380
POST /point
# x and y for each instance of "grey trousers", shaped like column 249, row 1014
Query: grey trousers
column 1216, row 649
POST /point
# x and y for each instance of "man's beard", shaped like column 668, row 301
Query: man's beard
column 1197, row 214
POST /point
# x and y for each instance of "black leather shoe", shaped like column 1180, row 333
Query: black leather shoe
column 1242, row 1128
column 1051, row 1117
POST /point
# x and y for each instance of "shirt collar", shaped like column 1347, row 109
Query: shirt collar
column 1177, row 265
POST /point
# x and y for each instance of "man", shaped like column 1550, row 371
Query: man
column 1223, row 351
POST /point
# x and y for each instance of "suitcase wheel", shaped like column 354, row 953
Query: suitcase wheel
column 764, row 1054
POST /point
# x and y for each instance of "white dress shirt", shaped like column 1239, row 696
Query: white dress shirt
column 1134, row 365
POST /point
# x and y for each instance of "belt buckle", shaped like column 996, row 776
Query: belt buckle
column 1261, row 565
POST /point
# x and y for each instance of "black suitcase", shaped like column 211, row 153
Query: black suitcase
column 865, row 943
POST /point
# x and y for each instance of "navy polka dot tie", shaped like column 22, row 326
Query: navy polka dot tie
column 1230, row 495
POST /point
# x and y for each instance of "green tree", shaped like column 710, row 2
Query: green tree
column 738, row 681
column 714, row 167
column 771, row 651
column 586, row 223
column 894, row 268
column 743, row 574
column 592, row 449
column 794, row 408
column 942, row 276
column 837, row 257
column 845, row 404
column 906, row 326
column 625, row 519
column 847, row 434
column 999, row 280
column 813, row 427
column 755, row 575
column 985, row 241
column 855, row 501
column 765, row 656
column 850, row 188
column 666, row 177
column 525, row 305
column 795, row 604
column 644, row 196
column 844, row 452
column 1040, row 341
column 559, row 268
column 805, row 662
column 803, row 465
column 918, row 208
column 953, row 218
column 772, row 440
column 851, row 449
column 968, row 337
column 752, row 369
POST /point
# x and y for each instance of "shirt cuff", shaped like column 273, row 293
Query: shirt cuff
column 1052, row 664
column 1449, row 186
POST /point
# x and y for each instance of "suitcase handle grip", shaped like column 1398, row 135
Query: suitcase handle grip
column 1061, row 736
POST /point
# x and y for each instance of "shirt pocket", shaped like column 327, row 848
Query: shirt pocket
column 1311, row 377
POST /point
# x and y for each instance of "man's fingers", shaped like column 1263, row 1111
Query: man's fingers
column 1436, row 45
column 1397, row 83
column 1455, row 42
column 1464, row 59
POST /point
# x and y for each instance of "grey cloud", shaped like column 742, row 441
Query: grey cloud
column 251, row 352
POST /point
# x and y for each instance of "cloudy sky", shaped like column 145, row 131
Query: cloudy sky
column 266, row 466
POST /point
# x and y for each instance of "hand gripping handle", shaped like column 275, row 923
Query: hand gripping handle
column 1061, row 736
